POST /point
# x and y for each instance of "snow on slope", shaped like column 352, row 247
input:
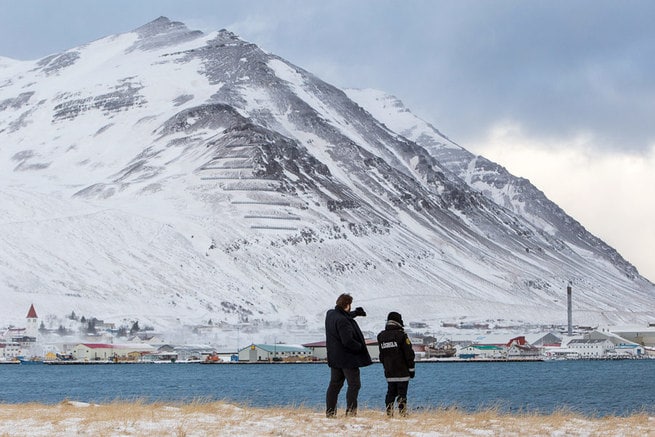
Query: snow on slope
column 491, row 179
column 176, row 177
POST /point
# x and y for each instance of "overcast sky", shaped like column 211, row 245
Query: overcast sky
column 559, row 92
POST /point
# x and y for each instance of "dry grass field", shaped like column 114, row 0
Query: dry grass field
column 216, row 418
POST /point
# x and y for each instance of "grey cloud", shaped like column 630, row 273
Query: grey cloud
column 556, row 67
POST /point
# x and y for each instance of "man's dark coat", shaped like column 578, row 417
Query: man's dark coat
column 346, row 347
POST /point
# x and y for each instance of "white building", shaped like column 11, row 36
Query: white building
column 591, row 348
column 623, row 348
column 189, row 352
column 482, row 351
column 9, row 350
column 629, row 350
column 274, row 352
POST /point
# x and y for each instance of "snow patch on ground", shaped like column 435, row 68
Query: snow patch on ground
column 69, row 418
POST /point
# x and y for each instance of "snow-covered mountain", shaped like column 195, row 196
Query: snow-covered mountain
column 494, row 181
column 172, row 176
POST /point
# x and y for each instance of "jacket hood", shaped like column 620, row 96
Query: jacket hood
column 392, row 324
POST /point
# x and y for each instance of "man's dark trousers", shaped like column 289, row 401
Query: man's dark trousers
column 337, row 378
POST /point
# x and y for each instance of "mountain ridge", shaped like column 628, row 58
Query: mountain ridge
column 490, row 178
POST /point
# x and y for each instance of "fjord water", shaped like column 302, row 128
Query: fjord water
column 594, row 388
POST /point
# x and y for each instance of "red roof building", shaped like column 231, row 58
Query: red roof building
column 31, row 314
column 98, row 345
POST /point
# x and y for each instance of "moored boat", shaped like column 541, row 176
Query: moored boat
column 446, row 350
column 30, row 360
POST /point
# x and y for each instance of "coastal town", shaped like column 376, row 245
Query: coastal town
column 104, row 343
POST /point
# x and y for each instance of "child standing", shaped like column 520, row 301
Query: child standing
column 397, row 357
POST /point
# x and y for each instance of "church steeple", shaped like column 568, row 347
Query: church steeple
column 32, row 322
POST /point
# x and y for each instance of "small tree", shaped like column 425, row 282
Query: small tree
column 135, row 328
column 62, row 331
column 91, row 326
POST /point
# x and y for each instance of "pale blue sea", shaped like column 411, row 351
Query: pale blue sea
column 594, row 388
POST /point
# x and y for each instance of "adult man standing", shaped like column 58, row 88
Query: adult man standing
column 346, row 353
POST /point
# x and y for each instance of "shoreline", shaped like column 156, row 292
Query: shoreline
column 205, row 418
column 225, row 362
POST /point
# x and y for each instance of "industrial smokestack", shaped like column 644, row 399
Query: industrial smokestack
column 569, row 308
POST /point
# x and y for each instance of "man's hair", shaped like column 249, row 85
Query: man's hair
column 344, row 300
